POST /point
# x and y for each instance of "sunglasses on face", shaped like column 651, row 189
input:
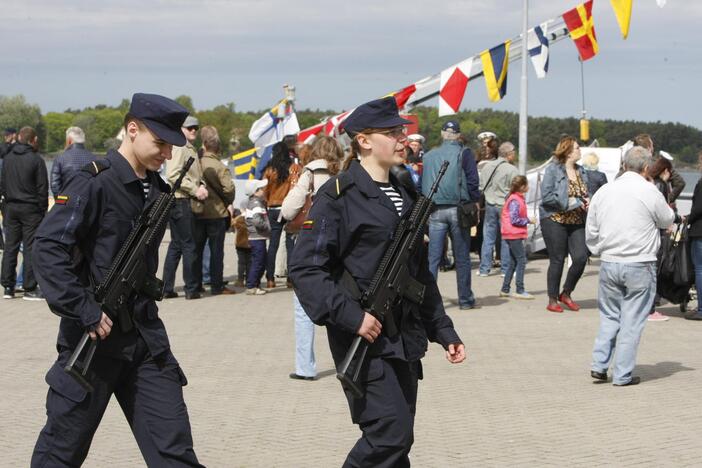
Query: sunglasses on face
column 195, row 128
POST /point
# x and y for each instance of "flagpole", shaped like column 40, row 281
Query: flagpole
column 523, row 95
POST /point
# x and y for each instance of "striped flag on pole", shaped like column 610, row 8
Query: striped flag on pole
column 537, row 43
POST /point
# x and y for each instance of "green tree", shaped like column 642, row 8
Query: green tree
column 16, row 112
column 56, row 125
column 99, row 125
column 187, row 102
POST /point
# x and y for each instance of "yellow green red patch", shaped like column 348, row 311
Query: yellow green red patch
column 61, row 199
column 307, row 225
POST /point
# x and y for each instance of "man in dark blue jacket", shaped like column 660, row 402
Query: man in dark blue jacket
column 77, row 243
column 70, row 161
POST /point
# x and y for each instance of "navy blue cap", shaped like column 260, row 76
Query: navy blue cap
column 161, row 115
column 380, row 113
column 451, row 126
column 10, row 131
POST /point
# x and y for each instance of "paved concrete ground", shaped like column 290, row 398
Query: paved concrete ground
column 523, row 398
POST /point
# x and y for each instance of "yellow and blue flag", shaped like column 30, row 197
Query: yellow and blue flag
column 245, row 164
column 495, row 62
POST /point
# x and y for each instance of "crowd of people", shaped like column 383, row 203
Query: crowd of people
column 204, row 210
column 334, row 231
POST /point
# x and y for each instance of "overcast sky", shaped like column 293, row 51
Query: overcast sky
column 63, row 54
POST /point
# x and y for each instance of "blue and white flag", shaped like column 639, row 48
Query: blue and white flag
column 275, row 124
column 537, row 43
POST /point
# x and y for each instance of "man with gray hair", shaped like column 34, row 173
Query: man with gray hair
column 74, row 157
column 495, row 181
column 623, row 222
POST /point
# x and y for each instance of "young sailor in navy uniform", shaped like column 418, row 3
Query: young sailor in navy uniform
column 93, row 215
column 349, row 227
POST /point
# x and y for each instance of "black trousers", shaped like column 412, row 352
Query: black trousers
column 385, row 414
column 21, row 222
column 243, row 258
column 563, row 240
column 182, row 244
column 274, row 242
column 151, row 396
column 214, row 231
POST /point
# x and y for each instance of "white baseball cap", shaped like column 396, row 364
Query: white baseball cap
column 253, row 185
column 415, row 137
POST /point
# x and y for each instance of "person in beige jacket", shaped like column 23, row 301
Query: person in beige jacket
column 212, row 224
column 325, row 159
column 181, row 216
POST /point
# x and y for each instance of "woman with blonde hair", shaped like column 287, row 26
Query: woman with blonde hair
column 322, row 160
column 595, row 177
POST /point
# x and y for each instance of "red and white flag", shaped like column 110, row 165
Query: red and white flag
column 452, row 88
column 416, row 91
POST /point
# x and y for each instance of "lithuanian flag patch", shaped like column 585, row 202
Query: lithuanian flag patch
column 308, row 225
column 61, row 199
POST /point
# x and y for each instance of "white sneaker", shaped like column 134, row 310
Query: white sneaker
column 524, row 295
column 484, row 275
column 504, row 294
column 255, row 292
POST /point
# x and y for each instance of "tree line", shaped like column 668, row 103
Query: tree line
column 102, row 124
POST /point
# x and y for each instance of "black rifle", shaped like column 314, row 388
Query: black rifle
column 127, row 277
column 391, row 283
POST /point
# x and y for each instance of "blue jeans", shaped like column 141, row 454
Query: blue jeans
column 445, row 219
column 206, row 263
column 491, row 227
column 276, row 232
column 258, row 263
column 517, row 256
column 627, row 291
column 696, row 249
column 305, row 364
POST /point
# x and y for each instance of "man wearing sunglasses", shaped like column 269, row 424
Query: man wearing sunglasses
column 181, row 222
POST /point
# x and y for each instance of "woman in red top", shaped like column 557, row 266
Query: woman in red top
column 514, row 232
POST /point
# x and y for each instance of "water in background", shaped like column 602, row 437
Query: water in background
column 691, row 179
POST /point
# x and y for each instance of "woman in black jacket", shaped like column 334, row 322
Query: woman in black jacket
column 660, row 175
column 695, row 234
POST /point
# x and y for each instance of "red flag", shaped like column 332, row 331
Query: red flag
column 306, row 135
column 582, row 30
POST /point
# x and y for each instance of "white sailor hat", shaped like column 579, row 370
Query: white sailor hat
column 486, row 136
column 666, row 155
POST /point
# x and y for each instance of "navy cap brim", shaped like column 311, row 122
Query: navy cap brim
column 394, row 121
column 167, row 134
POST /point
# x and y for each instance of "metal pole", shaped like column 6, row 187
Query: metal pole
column 582, row 86
column 523, row 94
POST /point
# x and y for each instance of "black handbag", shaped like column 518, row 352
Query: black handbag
column 683, row 272
column 468, row 211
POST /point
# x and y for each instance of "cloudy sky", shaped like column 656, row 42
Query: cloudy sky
column 63, row 54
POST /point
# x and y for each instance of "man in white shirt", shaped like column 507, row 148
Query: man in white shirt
column 623, row 223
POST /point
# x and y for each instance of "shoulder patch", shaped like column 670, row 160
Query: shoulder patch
column 340, row 184
column 96, row 167
column 61, row 199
